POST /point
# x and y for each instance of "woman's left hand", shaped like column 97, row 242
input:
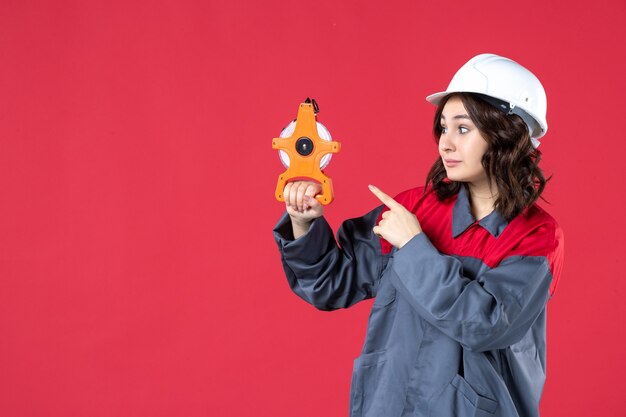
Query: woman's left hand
column 398, row 225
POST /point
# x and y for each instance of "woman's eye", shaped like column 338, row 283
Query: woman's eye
column 463, row 130
column 444, row 130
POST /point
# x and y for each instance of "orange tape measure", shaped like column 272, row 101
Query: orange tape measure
column 305, row 153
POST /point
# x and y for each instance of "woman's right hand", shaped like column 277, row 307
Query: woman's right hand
column 301, row 204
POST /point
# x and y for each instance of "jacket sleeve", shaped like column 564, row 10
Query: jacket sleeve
column 330, row 275
column 492, row 311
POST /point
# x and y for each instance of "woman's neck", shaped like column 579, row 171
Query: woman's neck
column 482, row 198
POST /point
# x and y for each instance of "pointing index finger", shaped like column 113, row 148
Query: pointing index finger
column 386, row 200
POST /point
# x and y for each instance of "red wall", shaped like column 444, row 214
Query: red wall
column 138, row 274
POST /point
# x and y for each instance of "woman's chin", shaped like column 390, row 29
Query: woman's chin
column 456, row 178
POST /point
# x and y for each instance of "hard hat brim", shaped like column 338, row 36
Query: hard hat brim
column 437, row 97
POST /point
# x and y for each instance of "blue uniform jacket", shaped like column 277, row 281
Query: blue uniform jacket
column 458, row 326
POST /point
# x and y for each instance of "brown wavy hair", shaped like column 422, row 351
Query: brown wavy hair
column 510, row 160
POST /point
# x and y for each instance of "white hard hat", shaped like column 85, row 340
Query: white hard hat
column 506, row 80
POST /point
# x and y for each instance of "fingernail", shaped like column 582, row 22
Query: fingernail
column 371, row 187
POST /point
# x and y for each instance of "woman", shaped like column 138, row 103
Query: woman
column 461, row 269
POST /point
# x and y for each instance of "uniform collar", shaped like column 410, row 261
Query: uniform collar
column 462, row 217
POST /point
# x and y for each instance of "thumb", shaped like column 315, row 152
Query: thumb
column 311, row 202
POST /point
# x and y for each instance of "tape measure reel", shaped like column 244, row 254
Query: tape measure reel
column 304, row 148
column 321, row 131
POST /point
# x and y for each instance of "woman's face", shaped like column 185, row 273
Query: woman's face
column 461, row 145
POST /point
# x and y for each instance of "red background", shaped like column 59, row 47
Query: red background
column 138, row 274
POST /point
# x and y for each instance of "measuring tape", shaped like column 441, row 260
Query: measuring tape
column 305, row 148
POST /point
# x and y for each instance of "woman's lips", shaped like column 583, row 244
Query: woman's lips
column 451, row 162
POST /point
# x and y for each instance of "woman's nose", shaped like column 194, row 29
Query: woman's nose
column 445, row 144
